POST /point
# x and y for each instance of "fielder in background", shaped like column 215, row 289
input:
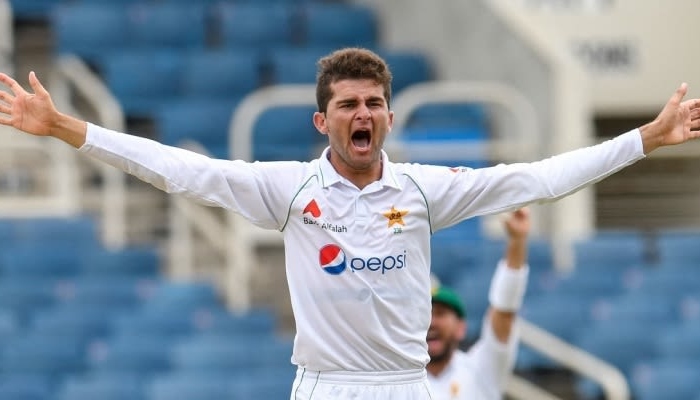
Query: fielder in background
column 481, row 372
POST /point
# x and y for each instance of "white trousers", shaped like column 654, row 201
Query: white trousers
column 401, row 385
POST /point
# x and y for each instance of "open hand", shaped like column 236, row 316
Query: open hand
column 33, row 113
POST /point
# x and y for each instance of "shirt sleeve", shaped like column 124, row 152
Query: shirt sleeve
column 239, row 186
column 495, row 359
column 459, row 193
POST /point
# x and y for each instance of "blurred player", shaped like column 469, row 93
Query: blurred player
column 480, row 373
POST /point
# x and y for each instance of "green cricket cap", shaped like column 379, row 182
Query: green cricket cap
column 449, row 298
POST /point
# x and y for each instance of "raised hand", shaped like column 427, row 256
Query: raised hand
column 678, row 122
column 35, row 112
column 518, row 224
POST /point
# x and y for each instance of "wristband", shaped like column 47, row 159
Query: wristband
column 508, row 287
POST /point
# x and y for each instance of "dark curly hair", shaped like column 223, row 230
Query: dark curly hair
column 350, row 63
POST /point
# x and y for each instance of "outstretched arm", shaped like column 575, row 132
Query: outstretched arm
column 502, row 316
column 677, row 122
column 36, row 114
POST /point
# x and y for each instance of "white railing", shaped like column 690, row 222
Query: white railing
column 611, row 380
column 73, row 76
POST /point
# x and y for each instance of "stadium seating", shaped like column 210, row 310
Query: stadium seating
column 187, row 386
column 140, row 352
column 292, row 65
column 407, row 68
column 131, row 262
column 18, row 386
column 26, row 297
column 9, row 324
column 83, row 321
column 335, row 25
column 88, row 30
column 223, row 74
column 678, row 247
column 154, row 77
column 666, row 379
column 679, row 341
column 621, row 250
column 287, row 133
column 254, row 25
column 101, row 386
column 45, row 354
column 166, row 25
column 205, row 121
column 53, row 261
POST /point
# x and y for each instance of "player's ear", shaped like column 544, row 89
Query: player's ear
column 462, row 330
column 320, row 122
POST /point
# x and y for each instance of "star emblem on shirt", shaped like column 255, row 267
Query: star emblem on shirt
column 395, row 216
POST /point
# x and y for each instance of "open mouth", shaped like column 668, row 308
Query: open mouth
column 361, row 139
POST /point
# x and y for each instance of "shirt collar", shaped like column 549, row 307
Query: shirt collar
column 329, row 176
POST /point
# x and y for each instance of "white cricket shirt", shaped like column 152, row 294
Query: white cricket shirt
column 480, row 373
column 358, row 261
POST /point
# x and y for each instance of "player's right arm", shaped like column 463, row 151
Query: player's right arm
column 246, row 188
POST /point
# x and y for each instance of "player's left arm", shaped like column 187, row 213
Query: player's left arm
column 510, row 280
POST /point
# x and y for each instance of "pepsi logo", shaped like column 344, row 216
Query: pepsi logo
column 332, row 259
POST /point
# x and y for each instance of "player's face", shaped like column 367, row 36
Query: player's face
column 356, row 121
column 445, row 332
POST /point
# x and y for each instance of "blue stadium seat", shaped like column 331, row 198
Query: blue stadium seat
column 25, row 297
column 81, row 321
column 408, row 68
column 622, row 343
column 188, row 386
column 166, row 25
column 253, row 322
column 224, row 352
column 255, row 25
column 9, row 324
column 562, row 314
column 679, row 342
column 88, row 30
column 451, row 260
column 651, row 308
column 666, row 380
column 292, row 65
column 467, row 230
column 130, row 262
column 113, row 293
column 592, row 282
column 340, row 25
column 25, row 387
column 613, row 250
column 101, row 386
column 473, row 289
column 139, row 352
column 153, row 77
column 665, row 280
column 287, row 133
column 204, row 121
column 52, row 355
column 448, row 115
column 223, row 74
column 678, row 247
column 40, row 261
column 183, row 296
